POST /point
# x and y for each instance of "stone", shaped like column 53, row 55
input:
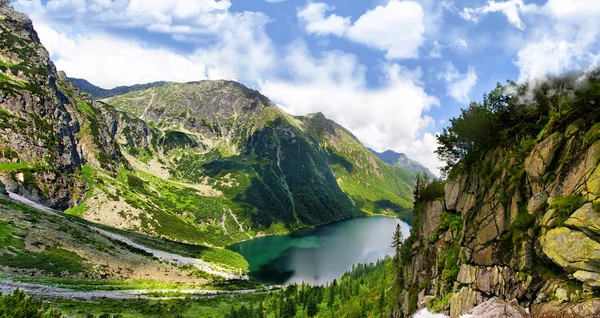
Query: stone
column 585, row 219
column 467, row 274
column 541, row 157
column 549, row 219
column 537, row 203
column 463, row 301
column 497, row 308
column 452, row 191
column 431, row 217
column 484, row 257
column 571, row 250
column 465, row 203
column 593, row 183
column 590, row 278
column 561, row 295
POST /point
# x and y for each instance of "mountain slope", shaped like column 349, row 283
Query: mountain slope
column 242, row 145
column 402, row 161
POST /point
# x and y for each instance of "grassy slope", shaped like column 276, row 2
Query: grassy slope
column 64, row 247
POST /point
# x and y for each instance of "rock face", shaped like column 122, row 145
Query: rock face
column 49, row 130
column 431, row 217
column 529, row 245
column 497, row 308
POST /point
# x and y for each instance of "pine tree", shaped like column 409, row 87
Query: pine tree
column 397, row 241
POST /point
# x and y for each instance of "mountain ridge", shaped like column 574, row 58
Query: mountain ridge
column 401, row 160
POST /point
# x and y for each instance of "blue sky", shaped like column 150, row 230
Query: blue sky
column 391, row 71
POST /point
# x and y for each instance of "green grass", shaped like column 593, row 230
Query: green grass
column 16, row 166
column 52, row 261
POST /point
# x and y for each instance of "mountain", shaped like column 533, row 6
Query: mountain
column 402, row 161
column 101, row 93
column 209, row 162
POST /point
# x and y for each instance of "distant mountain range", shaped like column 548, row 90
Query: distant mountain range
column 402, row 161
column 101, row 93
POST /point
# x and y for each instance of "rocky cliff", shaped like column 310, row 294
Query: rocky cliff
column 520, row 230
column 49, row 130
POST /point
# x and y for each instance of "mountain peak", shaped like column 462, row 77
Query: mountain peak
column 402, row 161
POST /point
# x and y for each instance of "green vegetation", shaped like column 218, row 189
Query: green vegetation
column 17, row 166
column 565, row 206
column 19, row 305
column 52, row 261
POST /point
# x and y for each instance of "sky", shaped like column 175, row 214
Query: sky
column 391, row 71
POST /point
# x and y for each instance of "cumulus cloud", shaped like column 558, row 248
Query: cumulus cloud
column 562, row 35
column 238, row 45
column 571, row 31
column 391, row 116
column 317, row 23
column 396, row 28
column 459, row 85
column 108, row 61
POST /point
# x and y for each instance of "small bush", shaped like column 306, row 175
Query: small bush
column 19, row 305
column 565, row 206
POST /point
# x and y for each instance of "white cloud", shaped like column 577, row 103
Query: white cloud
column 459, row 85
column 565, row 38
column 547, row 57
column 436, row 50
column 334, row 83
column 238, row 46
column 509, row 8
column 461, row 43
column 562, row 35
column 108, row 61
column 317, row 23
column 396, row 28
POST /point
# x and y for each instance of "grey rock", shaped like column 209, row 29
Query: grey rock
column 537, row 202
column 585, row 219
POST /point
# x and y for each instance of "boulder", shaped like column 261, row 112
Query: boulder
column 571, row 250
column 3, row 189
column 451, row 191
column 585, row 219
column 537, row 202
column 463, row 301
column 590, row 278
column 431, row 217
column 497, row 308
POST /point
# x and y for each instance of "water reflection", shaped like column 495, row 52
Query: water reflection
column 321, row 255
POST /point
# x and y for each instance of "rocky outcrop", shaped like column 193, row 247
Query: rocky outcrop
column 497, row 308
column 431, row 217
column 529, row 245
column 49, row 129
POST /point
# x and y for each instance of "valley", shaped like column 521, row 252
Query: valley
column 206, row 199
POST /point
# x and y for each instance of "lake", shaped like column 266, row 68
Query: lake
column 322, row 255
